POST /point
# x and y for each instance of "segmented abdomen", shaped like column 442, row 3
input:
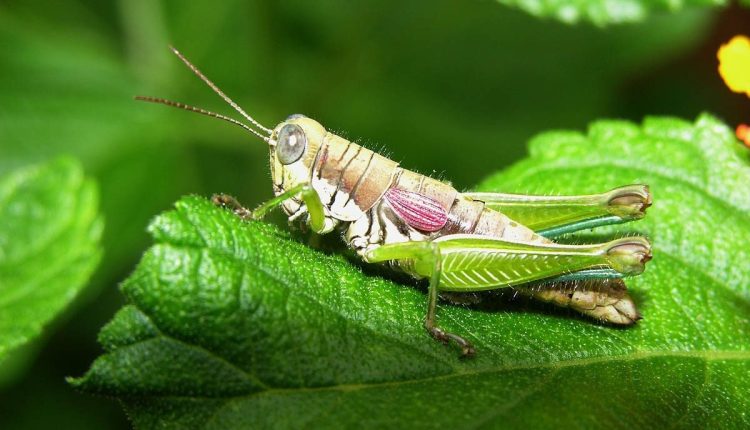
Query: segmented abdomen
column 472, row 217
column 350, row 179
column 417, row 207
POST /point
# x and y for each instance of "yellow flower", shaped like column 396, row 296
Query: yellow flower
column 734, row 64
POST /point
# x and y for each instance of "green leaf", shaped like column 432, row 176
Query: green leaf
column 49, row 246
column 604, row 12
column 234, row 324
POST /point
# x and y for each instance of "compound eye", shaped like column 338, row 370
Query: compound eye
column 290, row 144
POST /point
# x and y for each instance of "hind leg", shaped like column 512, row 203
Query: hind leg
column 553, row 216
column 466, row 263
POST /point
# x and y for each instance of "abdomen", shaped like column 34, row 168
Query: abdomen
column 417, row 207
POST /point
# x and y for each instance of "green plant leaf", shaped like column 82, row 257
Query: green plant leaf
column 49, row 246
column 233, row 324
column 604, row 12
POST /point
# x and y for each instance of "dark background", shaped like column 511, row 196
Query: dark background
column 448, row 87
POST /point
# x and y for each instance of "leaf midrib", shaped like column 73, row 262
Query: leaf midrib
column 706, row 355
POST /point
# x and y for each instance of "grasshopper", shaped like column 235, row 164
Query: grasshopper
column 461, row 242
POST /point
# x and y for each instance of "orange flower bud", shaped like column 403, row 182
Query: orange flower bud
column 743, row 134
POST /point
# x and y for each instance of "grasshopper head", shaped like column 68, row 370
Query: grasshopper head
column 294, row 144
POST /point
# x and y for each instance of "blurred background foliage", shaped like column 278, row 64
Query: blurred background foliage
column 451, row 88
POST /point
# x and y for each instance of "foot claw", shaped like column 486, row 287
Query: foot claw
column 438, row 334
column 226, row 201
column 467, row 349
column 221, row 200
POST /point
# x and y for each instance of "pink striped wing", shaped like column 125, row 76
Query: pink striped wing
column 419, row 212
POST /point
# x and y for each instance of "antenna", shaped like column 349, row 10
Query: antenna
column 200, row 111
column 218, row 91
